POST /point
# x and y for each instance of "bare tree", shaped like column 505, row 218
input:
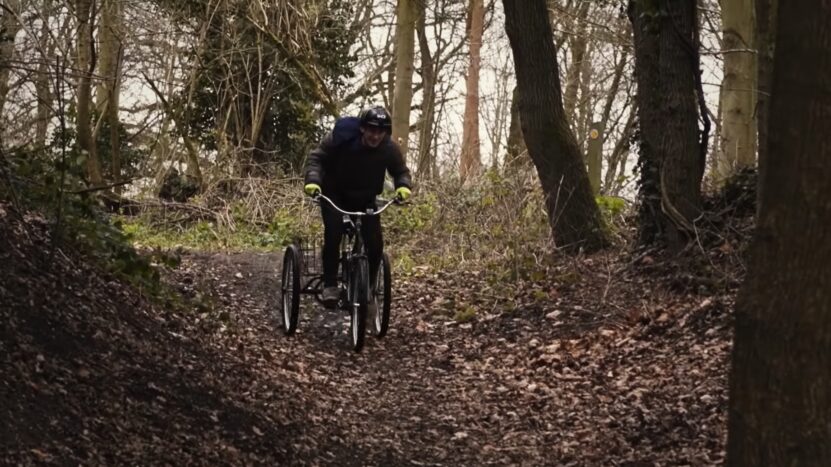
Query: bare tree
column 604, row 123
column 593, row 51
column 84, row 66
column 572, row 211
column 737, row 145
column 578, row 43
column 428, row 105
column 616, row 163
column 471, row 157
column 108, row 92
column 44, row 79
column 496, row 123
column 441, row 39
column 404, row 59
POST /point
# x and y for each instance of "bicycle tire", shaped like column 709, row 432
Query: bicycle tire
column 383, row 299
column 358, row 301
column 290, row 290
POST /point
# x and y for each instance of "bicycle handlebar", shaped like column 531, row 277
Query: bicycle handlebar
column 376, row 212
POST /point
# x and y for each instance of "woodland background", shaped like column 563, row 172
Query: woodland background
column 563, row 150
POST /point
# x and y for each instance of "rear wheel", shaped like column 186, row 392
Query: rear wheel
column 382, row 298
column 358, row 299
column 290, row 289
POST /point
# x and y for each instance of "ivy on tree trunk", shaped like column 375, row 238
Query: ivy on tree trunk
column 672, row 157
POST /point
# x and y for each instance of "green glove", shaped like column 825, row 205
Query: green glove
column 312, row 189
column 403, row 193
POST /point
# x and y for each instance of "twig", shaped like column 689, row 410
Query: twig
column 62, row 119
column 101, row 188
column 608, row 281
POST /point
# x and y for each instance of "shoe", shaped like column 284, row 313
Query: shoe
column 330, row 297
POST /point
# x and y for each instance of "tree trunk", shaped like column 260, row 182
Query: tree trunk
column 585, row 104
column 404, row 59
column 108, row 93
column 650, row 121
column 43, row 86
column 84, row 66
column 193, row 169
column 780, row 387
column 572, row 211
column 517, row 154
column 671, row 162
column 682, row 167
column 9, row 27
column 737, row 147
column 428, row 105
column 766, row 12
column 471, row 158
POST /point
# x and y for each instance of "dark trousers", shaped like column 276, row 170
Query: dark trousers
column 332, row 234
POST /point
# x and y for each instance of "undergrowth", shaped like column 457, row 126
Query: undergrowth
column 49, row 182
column 230, row 215
column 497, row 225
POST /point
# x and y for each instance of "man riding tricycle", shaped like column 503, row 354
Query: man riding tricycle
column 344, row 175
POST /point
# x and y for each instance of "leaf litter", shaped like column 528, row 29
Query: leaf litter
column 579, row 368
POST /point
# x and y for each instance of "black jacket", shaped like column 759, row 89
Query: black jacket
column 349, row 171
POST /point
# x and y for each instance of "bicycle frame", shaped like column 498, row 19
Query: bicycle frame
column 354, row 234
column 358, row 246
column 356, row 290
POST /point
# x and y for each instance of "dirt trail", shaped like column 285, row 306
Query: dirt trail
column 522, row 387
column 605, row 360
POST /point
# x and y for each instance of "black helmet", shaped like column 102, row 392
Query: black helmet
column 377, row 117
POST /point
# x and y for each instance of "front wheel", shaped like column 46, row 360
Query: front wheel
column 358, row 300
column 383, row 297
column 290, row 289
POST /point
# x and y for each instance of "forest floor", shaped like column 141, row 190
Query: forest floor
column 617, row 360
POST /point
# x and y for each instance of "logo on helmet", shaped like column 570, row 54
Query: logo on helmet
column 377, row 117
